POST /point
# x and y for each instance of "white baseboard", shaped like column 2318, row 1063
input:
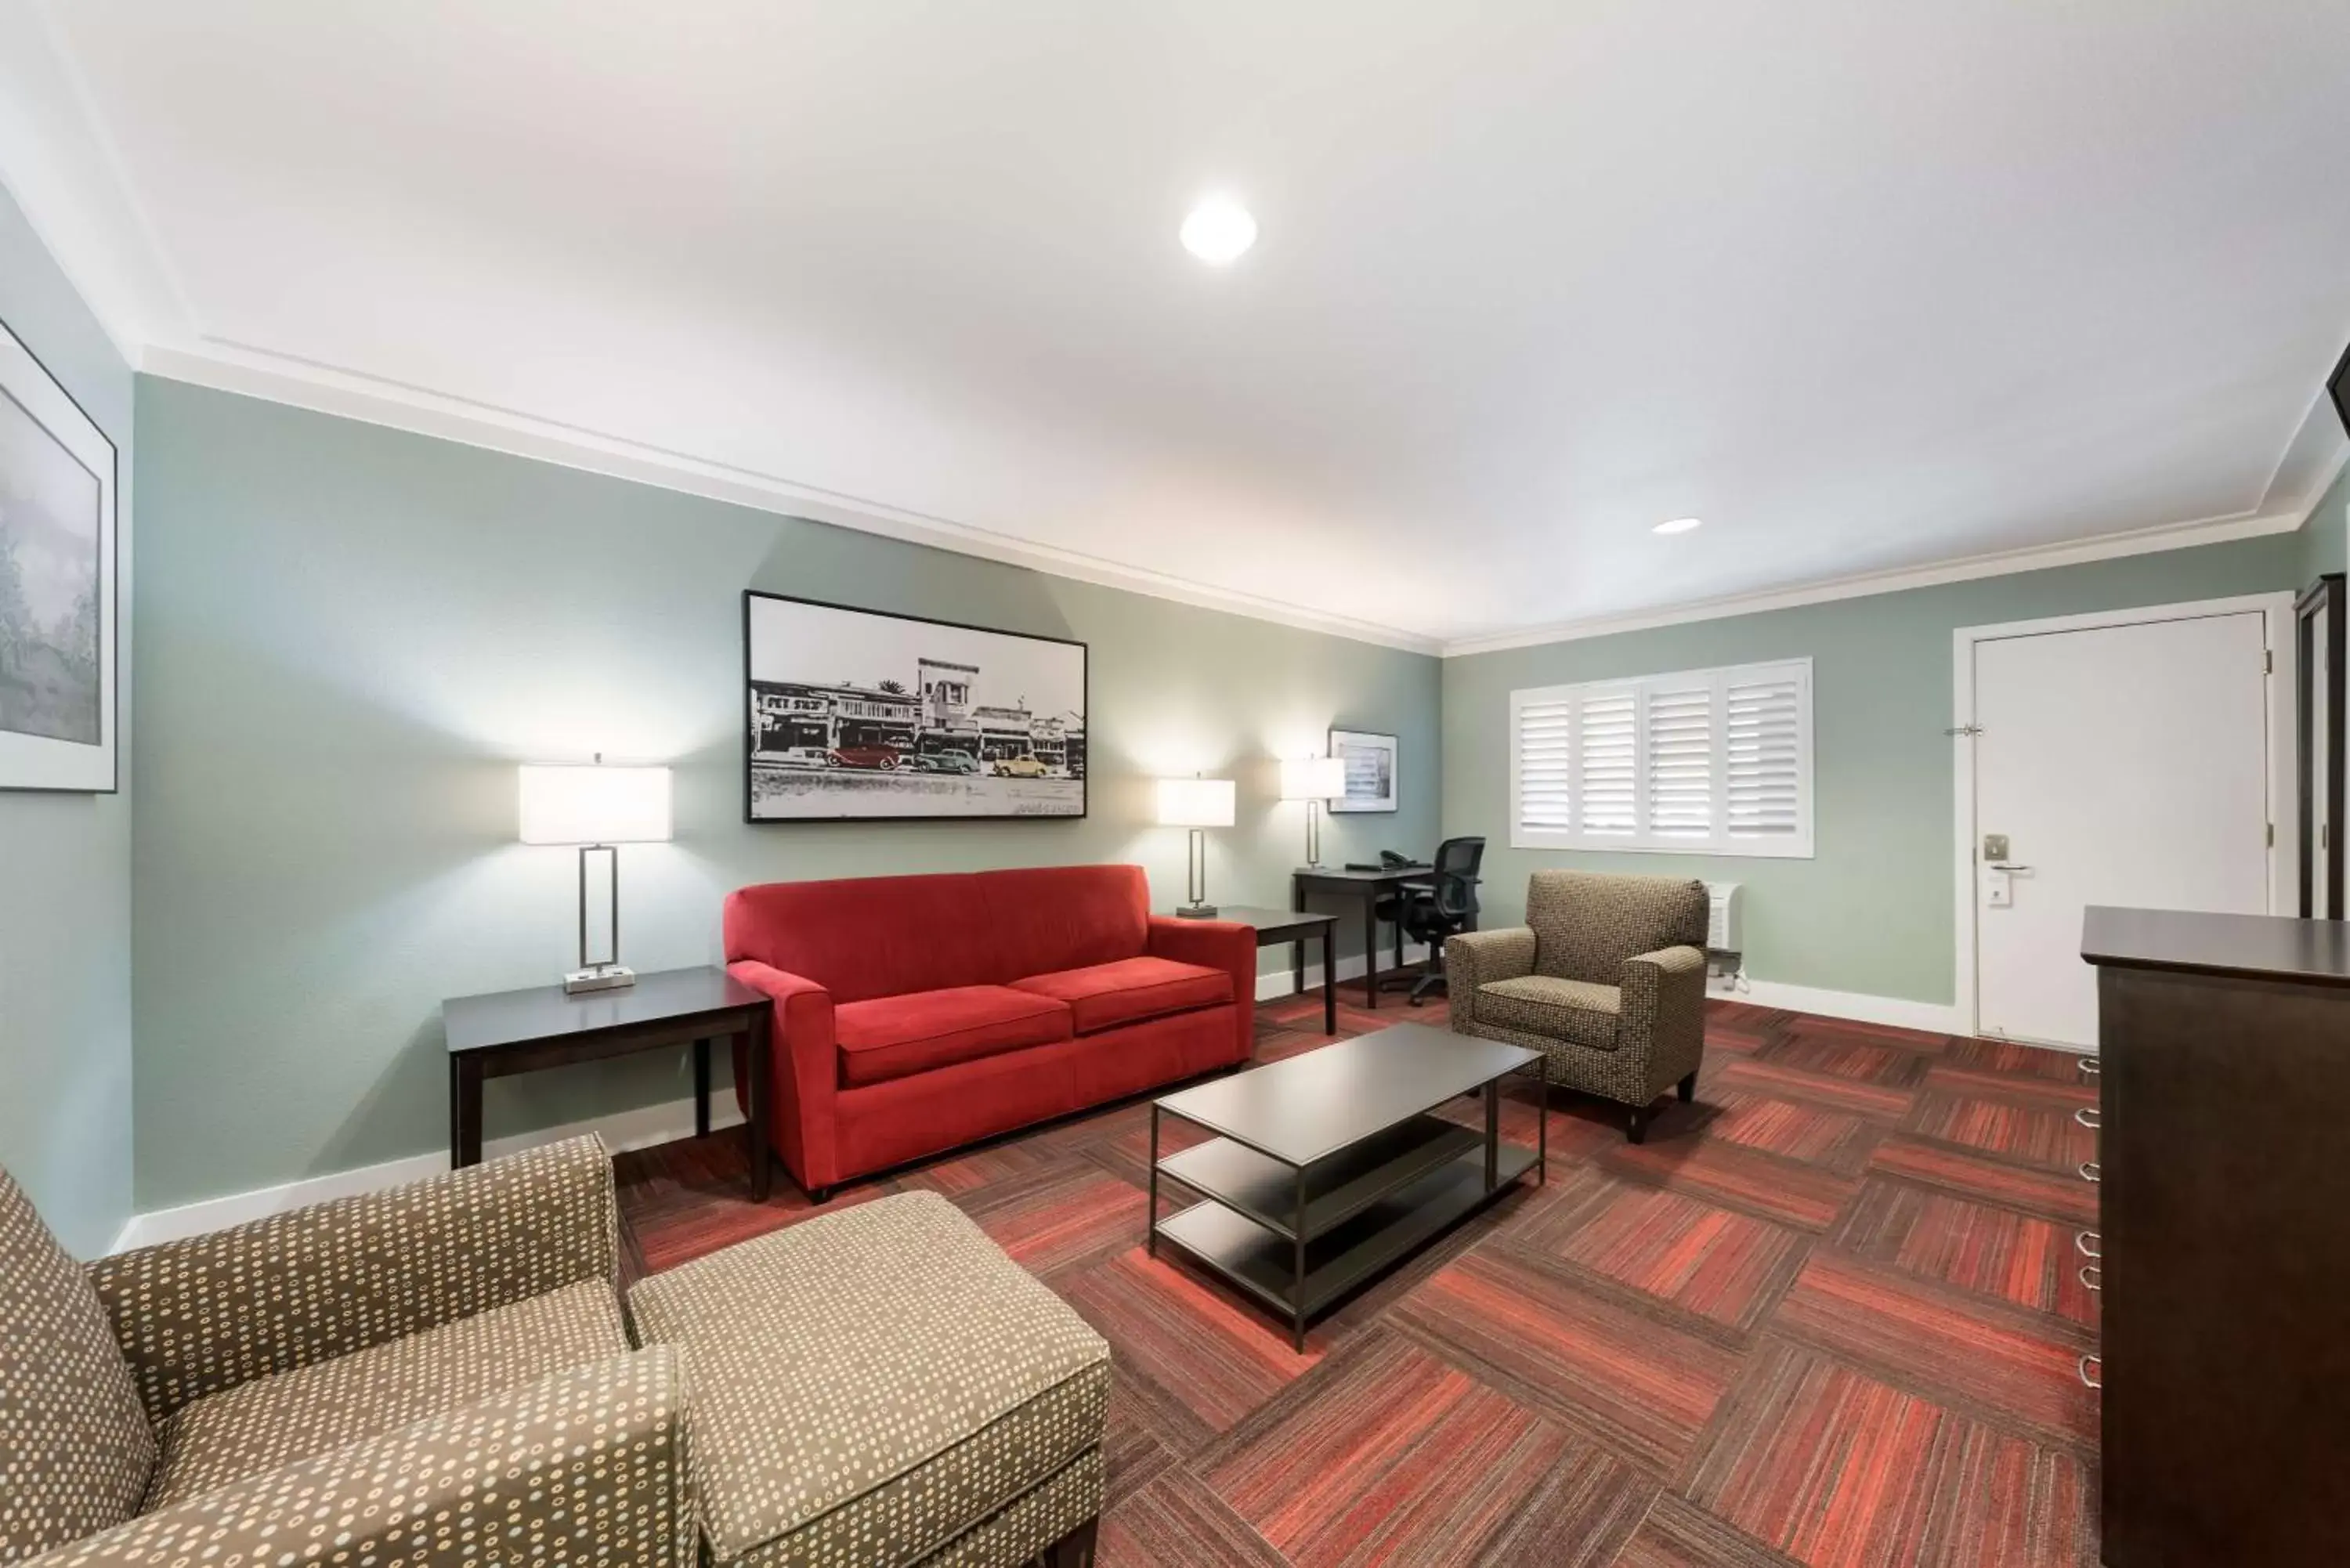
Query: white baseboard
column 1277, row 984
column 1898, row 1012
column 639, row 1128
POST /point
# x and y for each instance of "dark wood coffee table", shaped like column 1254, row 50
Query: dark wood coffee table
column 1330, row 1168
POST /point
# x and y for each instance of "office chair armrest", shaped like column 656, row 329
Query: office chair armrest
column 1664, row 1011
column 1472, row 959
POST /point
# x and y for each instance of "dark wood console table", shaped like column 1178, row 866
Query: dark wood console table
column 511, row 1031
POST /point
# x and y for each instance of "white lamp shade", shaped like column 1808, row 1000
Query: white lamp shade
column 595, row 806
column 1195, row 803
column 1313, row 778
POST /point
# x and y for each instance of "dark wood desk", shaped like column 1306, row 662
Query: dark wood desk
column 1368, row 887
column 511, row 1031
column 1296, row 926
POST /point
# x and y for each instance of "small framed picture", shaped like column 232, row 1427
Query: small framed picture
column 1371, row 761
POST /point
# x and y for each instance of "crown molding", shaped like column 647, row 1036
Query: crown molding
column 349, row 394
column 2004, row 563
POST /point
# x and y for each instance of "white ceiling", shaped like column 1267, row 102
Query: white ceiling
column 1865, row 286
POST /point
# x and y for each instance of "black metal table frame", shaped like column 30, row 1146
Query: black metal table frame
column 468, row 1069
column 1494, row 1187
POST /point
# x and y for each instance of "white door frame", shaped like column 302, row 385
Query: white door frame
column 2285, row 853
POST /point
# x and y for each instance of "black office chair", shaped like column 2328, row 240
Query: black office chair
column 1431, row 914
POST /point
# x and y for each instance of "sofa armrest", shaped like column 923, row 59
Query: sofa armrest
column 1472, row 959
column 587, row 1466
column 1226, row 945
column 198, row 1315
column 807, row 1070
column 1664, row 1013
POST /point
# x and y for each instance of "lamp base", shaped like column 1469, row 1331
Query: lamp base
column 604, row 977
column 1195, row 912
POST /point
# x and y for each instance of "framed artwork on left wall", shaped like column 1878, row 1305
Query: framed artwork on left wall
column 57, row 585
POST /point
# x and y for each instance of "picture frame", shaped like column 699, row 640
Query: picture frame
column 863, row 715
column 59, row 632
column 1371, row 759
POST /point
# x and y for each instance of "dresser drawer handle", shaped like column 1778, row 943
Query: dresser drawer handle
column 2088, row 1118
column 2086, row 1243
column 2087, row 1379
column 2093, row 1277
column 2089, row 1170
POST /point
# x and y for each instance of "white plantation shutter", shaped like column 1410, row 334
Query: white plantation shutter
column 1682, row 744
column 1715, row 761
column 1606, row 765
column 1765, row 764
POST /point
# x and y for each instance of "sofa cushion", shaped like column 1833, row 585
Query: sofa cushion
column 75, row 1447
column 274, row 1421
column 1104, row 995
column 1048, row 918
column 870, row 1384
column 897, row 1036
column 1558, row 1009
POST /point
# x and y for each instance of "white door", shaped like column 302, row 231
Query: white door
column 2122, row 765
column 2314, row 848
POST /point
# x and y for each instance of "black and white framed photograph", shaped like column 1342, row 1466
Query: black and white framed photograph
column 57, row 585
column 1371, row 762
column 857, row 715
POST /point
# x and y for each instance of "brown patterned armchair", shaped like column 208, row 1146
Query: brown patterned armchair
column 1607, row 978
column 434, row 1375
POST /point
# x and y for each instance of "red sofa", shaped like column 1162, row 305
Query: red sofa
column 916, row 1013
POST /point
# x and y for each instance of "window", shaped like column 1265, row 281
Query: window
column 1709, row 762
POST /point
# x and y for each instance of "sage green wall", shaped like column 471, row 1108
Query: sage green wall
column 2326, row 538
column 65, row 859
column 349, row 637
column 1872, row 911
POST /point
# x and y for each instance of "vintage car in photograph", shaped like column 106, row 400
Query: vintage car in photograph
column 944, row 762
column 883, row 758
column 1019, row 768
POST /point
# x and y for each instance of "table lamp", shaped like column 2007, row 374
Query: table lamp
column 1196, row 803
column 1313, row 780
column 598, row 809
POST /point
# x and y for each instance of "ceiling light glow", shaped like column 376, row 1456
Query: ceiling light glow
column 1679, row 525
column 1218, row 231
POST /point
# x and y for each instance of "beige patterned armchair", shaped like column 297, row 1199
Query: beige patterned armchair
column 434, row 1375
column 1607, row 978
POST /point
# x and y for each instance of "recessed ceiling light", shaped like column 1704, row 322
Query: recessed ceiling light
column 1218, row 230
column 1679, row 525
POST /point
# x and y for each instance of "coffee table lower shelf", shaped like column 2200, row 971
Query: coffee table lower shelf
column 1265, row 1265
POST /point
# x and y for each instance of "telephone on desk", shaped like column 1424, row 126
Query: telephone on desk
column 1389, row 861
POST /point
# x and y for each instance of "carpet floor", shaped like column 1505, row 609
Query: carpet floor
column 1828, row 1315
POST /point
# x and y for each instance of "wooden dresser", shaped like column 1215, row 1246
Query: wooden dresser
column 2224, row 1153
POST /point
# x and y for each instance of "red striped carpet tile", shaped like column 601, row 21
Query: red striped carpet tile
column 1856, row 1096
column 1198, row 1341
column 1176, row 1519
column 1818, row 1026
column 2024, row 1261
column 1640, row 1385
column 1864, row 1058
column 1400, row 1458
column 2009, row 1059
column 1724, row 1267
column 1838, row 1470
column 2020, row 1370
column 2028, row 1087
column 2041, row 1135
column 1793, row 1131
column 1678, row 1534
column 2055, row 1194
column 1071, row 1218
column 1804, row 1196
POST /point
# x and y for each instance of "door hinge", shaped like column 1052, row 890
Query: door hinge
column 2268, row 662
column 2272, row 836
column 1965, row 730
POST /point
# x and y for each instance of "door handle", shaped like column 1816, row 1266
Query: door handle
column 2011, row 869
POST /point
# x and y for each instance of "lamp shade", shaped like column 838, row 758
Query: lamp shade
column 1195, row 803
column 595, row 805
column 1313, row 778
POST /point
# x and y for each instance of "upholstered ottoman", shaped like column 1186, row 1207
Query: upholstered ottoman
column 880, row 1387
